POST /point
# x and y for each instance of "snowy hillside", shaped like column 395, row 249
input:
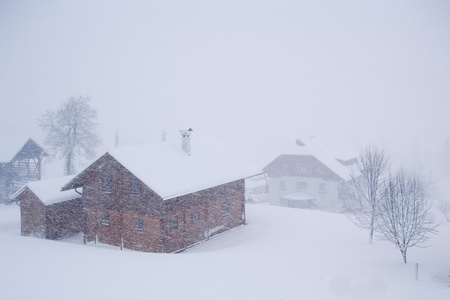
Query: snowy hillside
column 281, row 254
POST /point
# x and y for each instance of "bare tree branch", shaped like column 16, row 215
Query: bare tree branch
column 405, row 218
column 366, row 182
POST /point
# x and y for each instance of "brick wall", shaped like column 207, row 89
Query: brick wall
column 219, row 209
column 105, row 233
column 51, row 222
column 148, row 239
column 32, row 215
column 122, row 224
column 65, row 219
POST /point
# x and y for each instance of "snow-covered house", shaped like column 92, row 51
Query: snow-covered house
column 47, row 212
column 20, row 162
column 310, row 175
column 162, row 197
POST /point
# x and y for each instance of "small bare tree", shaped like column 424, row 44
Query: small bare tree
column 366, row 188
column 405, row 218
column 71, row 130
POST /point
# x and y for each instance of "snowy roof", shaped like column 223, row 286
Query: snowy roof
column 49, row 191
column 328, row 155
column 299, row 196
column 11, row 146
column 170, row 172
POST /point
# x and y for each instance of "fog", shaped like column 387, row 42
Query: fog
column 257, row 74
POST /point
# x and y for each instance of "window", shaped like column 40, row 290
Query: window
column 135, row 188
column 322, row 187
column 138, row 224
column 106, row 184
column 226, row 210
column 302, row 185
column 282, row 185
column 174, row 223
column 195, row 216
column 105, row 220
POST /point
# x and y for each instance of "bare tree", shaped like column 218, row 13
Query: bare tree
column 405, row 218
column 366, row 188
column 71, row 131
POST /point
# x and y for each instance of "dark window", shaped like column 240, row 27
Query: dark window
column 135, row 188
column 138, row 224
column 226, row 210
column 195, row 216
column 105, row 220
column 174, row 223
column 322, row 187
column 106, row 184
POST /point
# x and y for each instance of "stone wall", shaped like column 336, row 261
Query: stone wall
column 65, row 219
column 32, row 215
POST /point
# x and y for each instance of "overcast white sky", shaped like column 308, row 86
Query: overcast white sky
column 255, row 73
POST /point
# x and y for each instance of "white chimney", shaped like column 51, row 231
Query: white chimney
column 186, row 140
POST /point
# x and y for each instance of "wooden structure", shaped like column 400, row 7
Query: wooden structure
column 20, row 162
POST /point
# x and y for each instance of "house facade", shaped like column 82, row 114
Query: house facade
column 308, row 179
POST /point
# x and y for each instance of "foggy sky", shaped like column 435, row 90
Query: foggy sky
column 257, row 74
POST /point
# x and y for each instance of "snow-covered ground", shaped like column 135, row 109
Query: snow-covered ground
column 281, row 254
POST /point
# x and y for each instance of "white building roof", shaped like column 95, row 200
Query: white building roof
column 170, row 172
column 327, row 154
column 49, row 191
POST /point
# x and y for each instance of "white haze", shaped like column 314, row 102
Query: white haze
column 257, row 74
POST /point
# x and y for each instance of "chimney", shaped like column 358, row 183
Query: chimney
column 186, row 140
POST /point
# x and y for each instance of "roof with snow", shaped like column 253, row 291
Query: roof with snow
column 49, row 191
column 328, row 155
column 18, row 147
column 170, row 172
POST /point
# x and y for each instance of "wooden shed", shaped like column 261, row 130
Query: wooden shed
column 47, row 212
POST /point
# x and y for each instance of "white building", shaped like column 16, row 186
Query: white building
column 308, row 176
